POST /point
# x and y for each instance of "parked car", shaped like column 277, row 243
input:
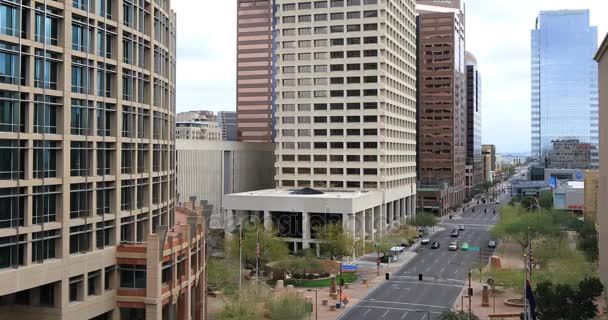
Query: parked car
column 435, row 245
column 464, row 247
column 454, row 233
column 425, row 241
column 453, row 246
column 492, row 244
column 460, row 227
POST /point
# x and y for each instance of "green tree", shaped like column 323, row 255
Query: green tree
column 588, row 241
column 457, row 315
column 272, row 248
column 219, row 277
column 334, row 240
column 520, row 226
column 423, row 219
column 557, row 302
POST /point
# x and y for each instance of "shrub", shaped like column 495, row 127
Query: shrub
column 311, row 276
column 324, row 275
column 287, row 308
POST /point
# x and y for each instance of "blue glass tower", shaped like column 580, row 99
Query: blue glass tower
column 564, row 79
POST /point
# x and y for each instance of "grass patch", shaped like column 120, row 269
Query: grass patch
column 317, row 283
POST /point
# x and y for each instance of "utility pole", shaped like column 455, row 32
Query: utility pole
column 469, row 293
column 378, row 260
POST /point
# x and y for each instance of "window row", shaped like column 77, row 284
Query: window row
column 332, row 68
column 326, row 4
column 332, row 93
column 331, row 145
column 333, row 158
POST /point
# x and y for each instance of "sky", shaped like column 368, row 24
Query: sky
column 497, row 33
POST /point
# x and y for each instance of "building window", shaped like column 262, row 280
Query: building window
column 45, row 159
column 80, row 158
column 12, row 250
column 12, row 116
column 12, row 207
column 103, row 234
column 43, row 245
column 9, row 20
column 47, row 295
column 12, row 159
column 76, row 288
column 9, row 64
column 44, row 201
column 81, row 35
column 93, row 283
column 133, row 314
column 46, row 111
column 46, row 26
column 80, row 238
column 80, row 195
column 104, row 197
column 132, row 276
column 108, row 280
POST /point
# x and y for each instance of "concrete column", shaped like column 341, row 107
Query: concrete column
column 372, row 223
column 362, row 219
column 305, row 230
column 413, row 205
column 267, row 220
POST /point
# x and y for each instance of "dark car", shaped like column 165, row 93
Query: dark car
column 492, row 244
column 435, row 245
column 454, row 233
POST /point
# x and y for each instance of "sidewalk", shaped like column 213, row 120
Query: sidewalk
column 497, row 305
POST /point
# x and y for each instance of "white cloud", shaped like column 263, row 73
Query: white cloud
column 498, row 33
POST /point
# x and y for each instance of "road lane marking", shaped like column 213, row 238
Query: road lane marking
column 431, row 283
column 400, row 309
column 384, row 315
column 366, row 312
column 411, row 304
column 404, row 315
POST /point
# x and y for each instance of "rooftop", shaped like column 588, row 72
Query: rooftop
column 284, row 193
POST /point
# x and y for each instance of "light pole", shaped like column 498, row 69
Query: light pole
column 316, row 302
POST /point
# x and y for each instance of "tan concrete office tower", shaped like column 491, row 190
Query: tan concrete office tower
column 87, row 94
column 602, row 206
column 345, row 116
column 442, row 104
column 254, row 70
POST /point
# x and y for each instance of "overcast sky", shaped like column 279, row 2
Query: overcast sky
column 498, row 33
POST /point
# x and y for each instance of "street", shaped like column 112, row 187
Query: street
column 445, row 273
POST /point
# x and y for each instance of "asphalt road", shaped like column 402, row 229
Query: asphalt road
column 445, row 273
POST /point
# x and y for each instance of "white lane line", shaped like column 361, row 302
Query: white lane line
column 400, row 309
column 430, row 283
column 404, row 315
column 366, row 312
column 412, row 304
column 384, row 315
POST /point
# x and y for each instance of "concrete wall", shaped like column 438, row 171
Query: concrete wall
column 211, row 169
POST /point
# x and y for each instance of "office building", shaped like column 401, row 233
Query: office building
column 602, row 218
column 196, row 116
column 255, row 70
column 474, row 165
column 226, row 120
column 209, row 170
column 87, row 161
column 198, row 131
column 591, row 190
column 564, row 80
column 571, row 154
column 488, row 153
column 442, row 104
column 346, row 119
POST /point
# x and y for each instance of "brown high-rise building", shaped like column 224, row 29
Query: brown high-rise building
column 441, row 104
column 254, row 71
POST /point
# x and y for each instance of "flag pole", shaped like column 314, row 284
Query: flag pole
column 257, row 259
column 240, row 254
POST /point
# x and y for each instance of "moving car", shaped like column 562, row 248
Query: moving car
column 464, row 247
column 492, row 244
column 454, row 233
column 425, row 241
column 435, row 245
column 460, row 227
column 453, row 246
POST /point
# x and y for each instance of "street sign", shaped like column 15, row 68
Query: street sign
column 474, row 249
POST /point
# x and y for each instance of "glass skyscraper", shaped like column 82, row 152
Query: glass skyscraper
column 564, row 79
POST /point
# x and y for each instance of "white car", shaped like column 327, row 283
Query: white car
column 425, row 241
column 453, row 246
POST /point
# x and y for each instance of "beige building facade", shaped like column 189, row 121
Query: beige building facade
column 345, row 102
column 602, row 209
column 87, row 162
